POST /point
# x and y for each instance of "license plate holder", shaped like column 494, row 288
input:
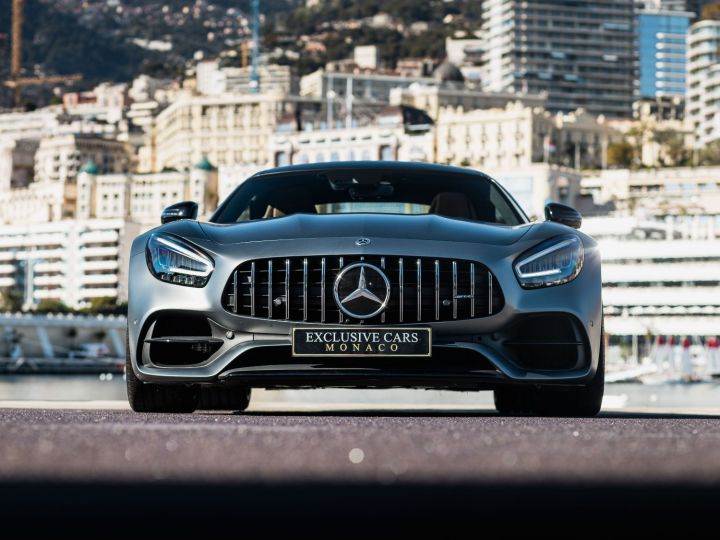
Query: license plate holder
column 361, row 341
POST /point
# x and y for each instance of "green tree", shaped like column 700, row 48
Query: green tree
column 101, row 304
column 11, row 300
column 710, row 155
column 672, row 143
column 51, row 306
column 621, row 154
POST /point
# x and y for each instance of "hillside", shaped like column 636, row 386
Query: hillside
column 108, row 40
column 93, row 38
column 414, row 29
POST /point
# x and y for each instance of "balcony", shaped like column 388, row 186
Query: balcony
column 615, row 250
column 47, row 267
column 661, row 296
column 98, row 293
column 99, row 237
column 660, row 272
column 99, row 279
column 111, row 251
column 45, row 294
column 43, row 281
column 89, row 266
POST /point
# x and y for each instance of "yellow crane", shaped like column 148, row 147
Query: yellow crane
column 16, row 82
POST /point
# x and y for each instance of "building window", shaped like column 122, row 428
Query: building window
column 387, row 153
column 282, row 159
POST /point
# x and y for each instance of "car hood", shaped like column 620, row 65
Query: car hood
column 418, row 227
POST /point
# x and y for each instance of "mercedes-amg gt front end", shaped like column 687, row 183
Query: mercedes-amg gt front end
column 366, row 275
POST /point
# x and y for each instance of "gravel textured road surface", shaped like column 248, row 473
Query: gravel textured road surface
column 437, row 469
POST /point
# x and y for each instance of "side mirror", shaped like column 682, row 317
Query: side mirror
column 181, row 210
column 560, row 213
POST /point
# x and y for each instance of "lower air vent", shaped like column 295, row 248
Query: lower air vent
column 181, row 341
column 548, row 342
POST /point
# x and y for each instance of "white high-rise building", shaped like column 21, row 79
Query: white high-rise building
column 703, row 79
column 72, row 261
column 662, row 50
column 582, row 53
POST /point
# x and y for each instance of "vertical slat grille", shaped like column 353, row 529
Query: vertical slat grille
column 340, row 266
column 472, row 289
column 454, row 289
column 437, row 290
column 401, row 279
column 252, row 289
column 301, row 289
column 287, row 288
column 235, row 292
column 382, row 265
column 322, row 290
column 419, row 289
column 305, row 289
column 270, row 289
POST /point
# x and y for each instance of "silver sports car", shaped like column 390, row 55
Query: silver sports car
column 366, row 275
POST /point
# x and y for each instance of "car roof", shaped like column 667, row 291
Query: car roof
column 379, row 166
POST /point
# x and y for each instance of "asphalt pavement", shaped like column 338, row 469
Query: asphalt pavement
column 435, row 469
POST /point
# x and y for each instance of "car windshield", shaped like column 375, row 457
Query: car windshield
column 460, row 196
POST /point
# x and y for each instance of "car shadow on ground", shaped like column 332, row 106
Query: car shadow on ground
column 460, row 412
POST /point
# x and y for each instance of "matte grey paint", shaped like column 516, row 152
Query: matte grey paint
column 495, row 246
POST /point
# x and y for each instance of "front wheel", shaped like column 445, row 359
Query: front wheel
column 582, row 401
column 158, row 398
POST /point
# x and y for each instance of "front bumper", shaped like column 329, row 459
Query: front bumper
column 257, row 353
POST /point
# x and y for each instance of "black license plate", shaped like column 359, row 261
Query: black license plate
column 364, row 341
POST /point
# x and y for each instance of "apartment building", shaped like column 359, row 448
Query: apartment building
column 518, row 135
column 224, row 129
column 72, row 261
column 581, row 53
column 703, row 79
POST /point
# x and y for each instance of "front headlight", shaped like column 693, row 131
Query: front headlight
column 175, row 261
column 553, row 262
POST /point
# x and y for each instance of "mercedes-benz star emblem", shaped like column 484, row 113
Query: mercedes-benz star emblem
column 361, row 290
column 362, row 241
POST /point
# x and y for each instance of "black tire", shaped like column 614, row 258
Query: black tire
column 584, row 401
column 224, row 398
column 158, row 398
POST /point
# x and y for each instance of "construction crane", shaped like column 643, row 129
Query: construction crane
column 17, row 23
column 16, row 82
